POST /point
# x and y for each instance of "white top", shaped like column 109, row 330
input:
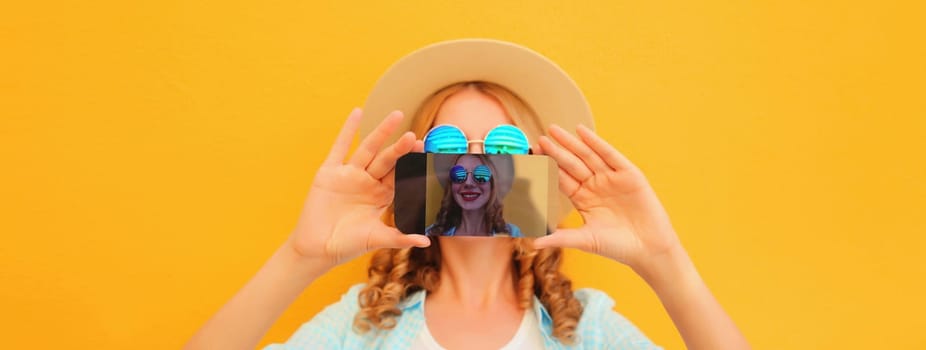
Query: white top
column 528, row 336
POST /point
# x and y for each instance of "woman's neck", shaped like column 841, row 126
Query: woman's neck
column 476, row 272
column 472, row 223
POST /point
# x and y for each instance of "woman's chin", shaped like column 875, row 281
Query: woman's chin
column 472, row 206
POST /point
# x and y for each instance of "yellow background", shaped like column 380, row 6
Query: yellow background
column 154, row 154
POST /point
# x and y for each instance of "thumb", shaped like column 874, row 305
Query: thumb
column 565, row 238
column 390, row 237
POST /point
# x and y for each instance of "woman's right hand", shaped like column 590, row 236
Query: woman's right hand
column 342, row 216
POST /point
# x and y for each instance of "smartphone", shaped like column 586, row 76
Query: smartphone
column 486, row 195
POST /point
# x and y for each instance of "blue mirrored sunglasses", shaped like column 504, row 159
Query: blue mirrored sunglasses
column 481, row 174
column 503, row 139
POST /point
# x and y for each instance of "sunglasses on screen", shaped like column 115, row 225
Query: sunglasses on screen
column 481, row 174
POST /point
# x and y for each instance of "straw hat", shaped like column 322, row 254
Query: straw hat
column 549, row 91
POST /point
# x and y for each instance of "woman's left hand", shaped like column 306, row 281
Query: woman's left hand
column 624, row 219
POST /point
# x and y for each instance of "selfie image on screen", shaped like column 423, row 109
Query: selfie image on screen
column 474, row 195
column 471, row 204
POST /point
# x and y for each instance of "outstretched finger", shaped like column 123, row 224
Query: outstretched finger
column 566, row 160
column 345, row 136
column 384, row 161
column 567, row 184
column 567, row 238
column 608, row 153
column 372, row 143
column 579, row 148
column 389, row 178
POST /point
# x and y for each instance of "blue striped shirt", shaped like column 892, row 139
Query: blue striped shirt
column 600, row 327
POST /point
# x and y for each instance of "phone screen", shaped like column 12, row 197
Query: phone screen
column 475, row 194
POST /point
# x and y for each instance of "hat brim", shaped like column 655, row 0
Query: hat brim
column 537, row 80
column 550, row 92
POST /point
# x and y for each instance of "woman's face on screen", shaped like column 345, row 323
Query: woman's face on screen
column 471, row 194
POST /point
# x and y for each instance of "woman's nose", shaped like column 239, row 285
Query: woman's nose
column 476, row 147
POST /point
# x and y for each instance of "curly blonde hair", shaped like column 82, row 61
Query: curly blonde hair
column 397, row 273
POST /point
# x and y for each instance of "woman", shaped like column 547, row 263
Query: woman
column 472, row 200
column 445, row 290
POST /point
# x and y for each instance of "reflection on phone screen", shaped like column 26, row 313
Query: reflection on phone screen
column 474, row 194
